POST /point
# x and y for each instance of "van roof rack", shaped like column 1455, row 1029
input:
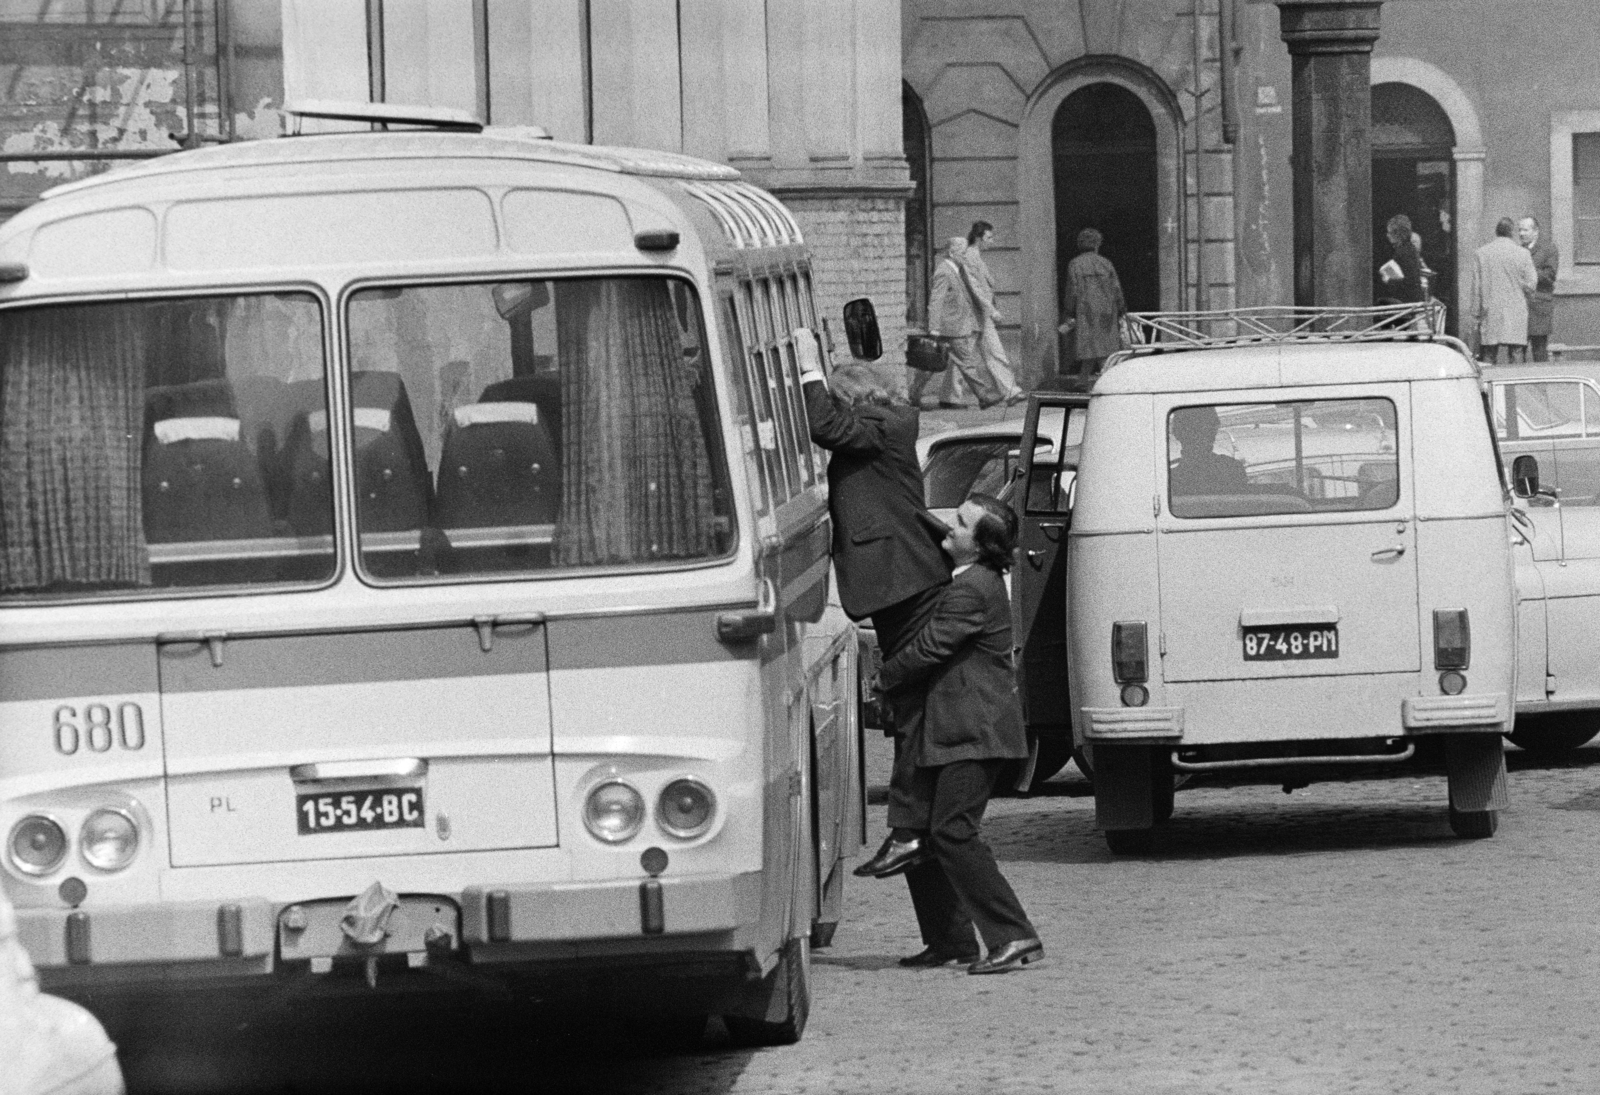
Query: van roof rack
column 1163, row 332
column 385, row 114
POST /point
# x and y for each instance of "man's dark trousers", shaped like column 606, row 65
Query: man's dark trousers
column 962, row 885
column 895, row 626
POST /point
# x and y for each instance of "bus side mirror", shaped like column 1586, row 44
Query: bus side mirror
column 1525, row 476
column 861, row 328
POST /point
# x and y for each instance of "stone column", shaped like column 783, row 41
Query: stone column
column 1330, row 43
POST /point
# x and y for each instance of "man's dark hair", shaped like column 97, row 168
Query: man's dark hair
column 1090, row 239
column 978, row 229
column 1507, row 227
column 995, row 533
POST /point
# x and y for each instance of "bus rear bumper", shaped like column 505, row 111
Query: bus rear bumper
column 239, row 940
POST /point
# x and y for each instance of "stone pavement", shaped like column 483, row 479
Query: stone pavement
column 1335, row 941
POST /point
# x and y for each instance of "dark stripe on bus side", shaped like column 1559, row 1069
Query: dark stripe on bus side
column 353, row 657
column 657, row 638
column 62, row 672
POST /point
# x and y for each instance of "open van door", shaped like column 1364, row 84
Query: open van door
column 1042, row 496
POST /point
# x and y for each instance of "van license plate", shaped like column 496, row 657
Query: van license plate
column 1282, row 644
column 354, row 811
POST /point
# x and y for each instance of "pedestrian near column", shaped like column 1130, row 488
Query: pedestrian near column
column 1402, row 274
column 1092, row 303
column 955, row 313
column 955, row 690
column 887, row 549
column 1503, row 278
column 1542, row 304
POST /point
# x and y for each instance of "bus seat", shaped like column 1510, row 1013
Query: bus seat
column 392, row 481
column 265, row 412
column 200, row 479
column 544, row 391
column 498, row 467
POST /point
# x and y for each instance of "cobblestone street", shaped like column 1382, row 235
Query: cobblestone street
column 1336, row 940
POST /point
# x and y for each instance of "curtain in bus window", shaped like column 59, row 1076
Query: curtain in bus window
column 71, row 405
column 636, row 485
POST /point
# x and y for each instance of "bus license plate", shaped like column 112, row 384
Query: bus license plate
column 355, row 811
column 1281, row 644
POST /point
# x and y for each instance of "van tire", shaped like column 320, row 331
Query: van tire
column 1474, row 824
column 775, row 1010
column 1549, row 735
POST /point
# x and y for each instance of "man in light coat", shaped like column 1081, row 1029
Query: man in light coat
column 954, row 313
column 1092, row 304
column 1503, row 279
column 1542, row 304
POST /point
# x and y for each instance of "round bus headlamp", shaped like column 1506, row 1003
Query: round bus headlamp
column 1452, row 682
column 109, row 840
column 37, row 845
column 1135, row 695
column 613, row 812
column 686, row 808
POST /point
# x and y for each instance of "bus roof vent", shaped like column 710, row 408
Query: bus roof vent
column 386, row 114
column 749, row 216
column 1159, row 332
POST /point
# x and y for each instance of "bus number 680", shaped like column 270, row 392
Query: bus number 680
column 101, row 727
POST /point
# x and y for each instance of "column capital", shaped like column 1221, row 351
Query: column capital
column 1329, row 26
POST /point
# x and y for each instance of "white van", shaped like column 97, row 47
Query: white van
column 1288, row 551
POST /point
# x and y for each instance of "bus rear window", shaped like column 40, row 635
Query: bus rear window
column 522, row 426
column 1251, row 459
column 163, row 443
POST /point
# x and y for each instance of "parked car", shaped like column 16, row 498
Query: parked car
column 982, row 458
column 1549, row 414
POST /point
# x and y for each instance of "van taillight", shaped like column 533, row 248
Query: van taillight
column 1452, row 638
column 1130, row 660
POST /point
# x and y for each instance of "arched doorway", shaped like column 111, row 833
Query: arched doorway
column 917, row 135
column 1101, row 144
column 1414, row 172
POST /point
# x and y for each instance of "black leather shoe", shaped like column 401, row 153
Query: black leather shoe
column 1018, row 952
column 894, row 857
column 931, row 957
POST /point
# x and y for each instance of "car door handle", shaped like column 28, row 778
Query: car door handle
column 1388, row 553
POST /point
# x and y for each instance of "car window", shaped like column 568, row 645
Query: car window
column 1549, row 409
column 1247, row 459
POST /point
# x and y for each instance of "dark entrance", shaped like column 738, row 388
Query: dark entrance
column 1414, row 172
column 1104, row 144
column 919, row 229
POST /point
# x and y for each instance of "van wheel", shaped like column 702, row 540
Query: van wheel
column 1551, row 734
column 1130, row 841
column 1474, row 824
column 774, row 1012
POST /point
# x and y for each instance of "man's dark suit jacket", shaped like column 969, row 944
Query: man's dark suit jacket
column 953, row 687
column 885, row 542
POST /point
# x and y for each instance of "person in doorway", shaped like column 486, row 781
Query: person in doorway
column 990, row 349
column 963, row 721
column 1542, row 303
column 1402, row 274
column 956, row 313
column 1092, row 304
column 887, row 549
column 1503, row 278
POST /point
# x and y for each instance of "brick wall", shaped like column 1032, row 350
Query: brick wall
column 858, row 249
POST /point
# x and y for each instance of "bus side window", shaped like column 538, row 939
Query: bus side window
column 802, row 439
column 781, row 360
column 753, row 428
column 765, row 357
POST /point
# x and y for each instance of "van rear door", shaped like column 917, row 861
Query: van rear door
column 1287, row 538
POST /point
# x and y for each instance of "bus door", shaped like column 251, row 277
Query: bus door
column 1042, row 497
column 357, row 744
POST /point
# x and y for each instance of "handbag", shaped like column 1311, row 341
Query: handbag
column 928, row 353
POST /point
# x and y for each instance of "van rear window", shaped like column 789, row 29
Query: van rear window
column 1305, row 456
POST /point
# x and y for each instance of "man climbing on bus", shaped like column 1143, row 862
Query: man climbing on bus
column 885, row 549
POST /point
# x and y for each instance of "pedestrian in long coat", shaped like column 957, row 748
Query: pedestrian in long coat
column 1503, row 277
column 1542, row 304
column 955, row 313
column 1092, row 304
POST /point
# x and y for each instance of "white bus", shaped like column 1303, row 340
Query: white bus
column 412, row 562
